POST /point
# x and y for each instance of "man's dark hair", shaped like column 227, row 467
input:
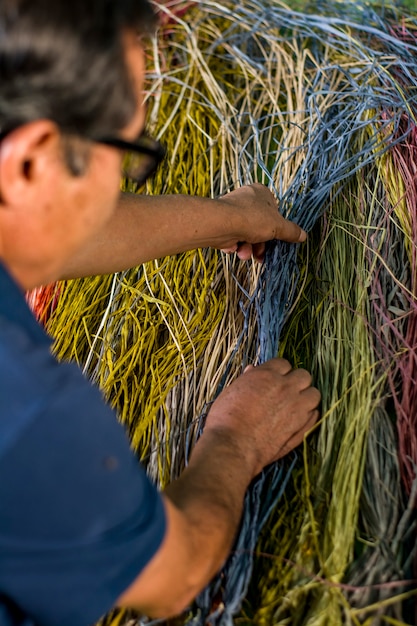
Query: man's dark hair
column 64, row 60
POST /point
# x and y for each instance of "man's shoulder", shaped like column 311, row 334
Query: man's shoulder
column 15, row 313
column 28, row 371
column 21, row 354
column 31, row 378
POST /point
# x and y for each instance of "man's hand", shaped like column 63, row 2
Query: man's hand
column 261, row 222
column 257, row 419
column 266, row 411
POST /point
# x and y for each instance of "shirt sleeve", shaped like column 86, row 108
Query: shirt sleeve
column 79, row 518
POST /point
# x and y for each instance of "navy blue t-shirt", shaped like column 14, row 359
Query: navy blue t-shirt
column 78, row 517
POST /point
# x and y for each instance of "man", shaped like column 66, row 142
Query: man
column 81, row 527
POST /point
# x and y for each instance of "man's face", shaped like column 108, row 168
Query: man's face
column 48, row 215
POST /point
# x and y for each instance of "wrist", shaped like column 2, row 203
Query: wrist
column 231, row 445
column 232, row 218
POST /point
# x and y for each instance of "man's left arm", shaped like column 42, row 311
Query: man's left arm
column 144, row 228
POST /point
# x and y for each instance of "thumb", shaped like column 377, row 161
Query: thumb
column 289, row 231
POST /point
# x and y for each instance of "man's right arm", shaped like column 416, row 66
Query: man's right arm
column 256, row 420
column 144, row 228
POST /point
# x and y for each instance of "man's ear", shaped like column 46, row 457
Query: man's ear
column 28, row 156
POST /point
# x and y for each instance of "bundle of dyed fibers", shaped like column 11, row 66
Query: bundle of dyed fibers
column 319, row 105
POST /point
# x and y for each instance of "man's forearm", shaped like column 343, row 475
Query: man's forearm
column 212, row 489
column 144, row 228
column 204, row 507
column 150, row 227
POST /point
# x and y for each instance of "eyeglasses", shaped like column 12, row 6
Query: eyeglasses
column 142, row 157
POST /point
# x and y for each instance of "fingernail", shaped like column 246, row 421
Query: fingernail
column 303, row 236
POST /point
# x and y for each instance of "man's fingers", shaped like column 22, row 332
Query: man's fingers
column 282, row 366
column 302, row 377
column 309, row 424
column 244, row 251
column 258, row 252
column 288, row 231
column 230, row 250
column 312, row 394
column 314, row 417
